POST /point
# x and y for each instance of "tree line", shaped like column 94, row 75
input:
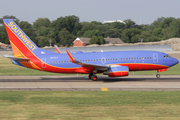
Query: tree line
column 64, row 30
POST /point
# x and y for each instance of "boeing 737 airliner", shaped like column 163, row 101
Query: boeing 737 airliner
column 113, row 64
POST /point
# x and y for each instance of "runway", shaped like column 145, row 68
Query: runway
column 82, row 83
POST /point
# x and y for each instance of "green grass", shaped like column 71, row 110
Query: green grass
column 96, row 105
column 9, row 69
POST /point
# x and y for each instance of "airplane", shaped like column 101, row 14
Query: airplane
column 113, row 63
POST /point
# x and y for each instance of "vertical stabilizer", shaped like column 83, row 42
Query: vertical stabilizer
column 21, row 44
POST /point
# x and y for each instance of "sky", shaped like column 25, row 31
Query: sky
column 139, row 11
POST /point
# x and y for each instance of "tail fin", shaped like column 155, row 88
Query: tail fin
column 21, row 44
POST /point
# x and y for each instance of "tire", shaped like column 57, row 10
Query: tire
column 90, row 75
column 94, row 78
column 158, row 75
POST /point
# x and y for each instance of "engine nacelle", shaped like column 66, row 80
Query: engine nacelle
column 118, row 71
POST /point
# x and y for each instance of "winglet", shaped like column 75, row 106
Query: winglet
column 71, row 57
column 57, row 49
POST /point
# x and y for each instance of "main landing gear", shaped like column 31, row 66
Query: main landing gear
column 93, row 77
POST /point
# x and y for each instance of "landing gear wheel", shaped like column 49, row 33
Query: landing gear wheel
column 90, row 75
column 94, row 78
column 158, row 75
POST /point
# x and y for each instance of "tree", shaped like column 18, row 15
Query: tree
column 127, row 34
column 157, row 32
column 166, row 33
column 91, row 33
column 157, row 23
column 118, row 25
column 41, row 22
column 166, row 22
column 137, row 38
column 175, row 28
column 129, row 23
column 66, row 38
column 113, row 33
column 42, row 41
column 97, row 40
column 153, row 39
column 71, row 23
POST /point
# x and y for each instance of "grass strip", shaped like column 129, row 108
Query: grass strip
column 87, row 105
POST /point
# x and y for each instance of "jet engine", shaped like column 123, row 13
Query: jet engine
column 117, row 71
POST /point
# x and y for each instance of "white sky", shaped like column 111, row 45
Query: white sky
column 140, row 11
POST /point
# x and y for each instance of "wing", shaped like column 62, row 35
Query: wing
column 74, row 60
column 15, row 58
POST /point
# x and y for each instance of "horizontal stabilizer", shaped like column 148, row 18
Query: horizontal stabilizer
column 15, row 58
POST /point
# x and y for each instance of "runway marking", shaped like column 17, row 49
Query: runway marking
column 104, row 89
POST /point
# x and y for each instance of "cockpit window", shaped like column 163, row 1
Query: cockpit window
column 166, row 56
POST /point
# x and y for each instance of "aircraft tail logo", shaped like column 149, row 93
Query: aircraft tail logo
column 21, row 44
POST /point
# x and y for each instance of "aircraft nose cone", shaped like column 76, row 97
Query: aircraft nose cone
column 175, row 61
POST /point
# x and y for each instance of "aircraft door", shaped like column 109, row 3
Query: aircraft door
column 43, row 64
column 155, row 58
